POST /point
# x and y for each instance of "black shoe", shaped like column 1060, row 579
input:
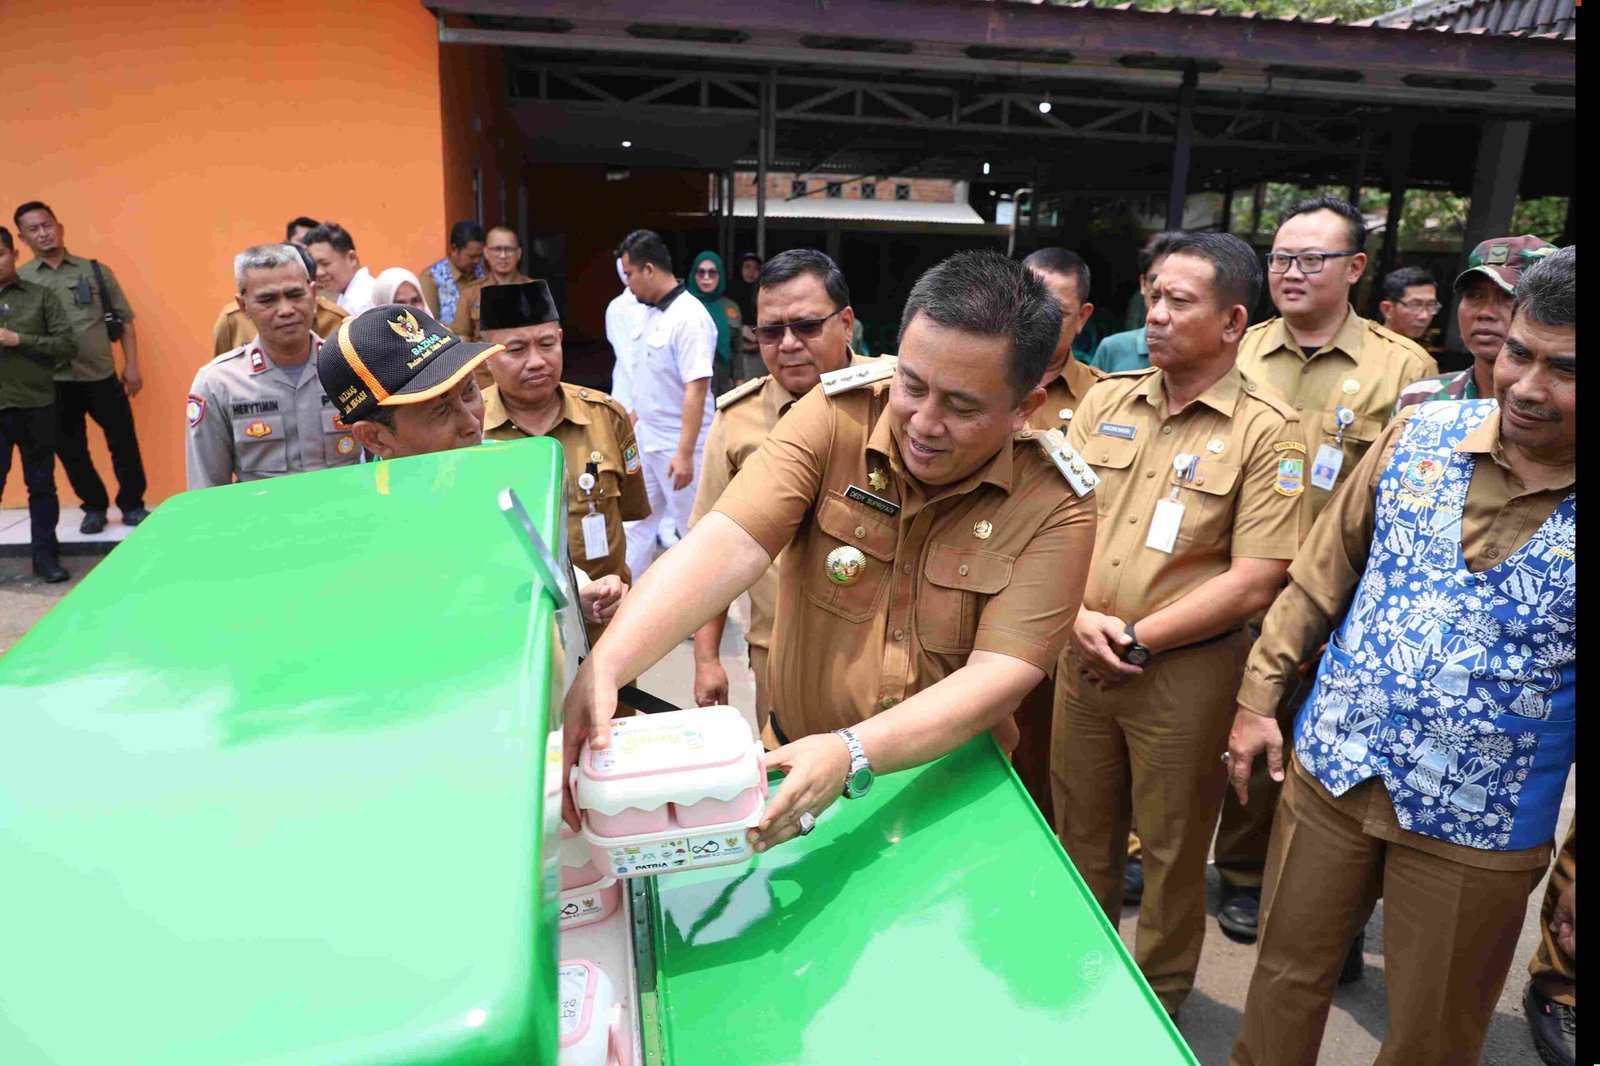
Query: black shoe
column 134, row 516
column 1355, row 963
column 49, row 568
column 1240, row 913
column 1554, row 1027
column 1132, row 882
column 93, row 522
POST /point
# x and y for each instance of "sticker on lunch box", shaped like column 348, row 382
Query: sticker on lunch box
column 573, row 985
column 678, row 853
column 655, row 746
column 584, row 906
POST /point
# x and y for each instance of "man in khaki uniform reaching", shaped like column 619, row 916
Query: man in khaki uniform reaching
column 934, row 550
column 1342, row 373
column 802, row 330
column 256, row 412
column 1202, row 473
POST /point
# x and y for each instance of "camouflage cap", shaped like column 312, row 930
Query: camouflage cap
column 1504, row 259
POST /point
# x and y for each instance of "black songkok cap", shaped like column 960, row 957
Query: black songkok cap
column 510, row 306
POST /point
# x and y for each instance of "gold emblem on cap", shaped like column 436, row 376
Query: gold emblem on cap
column 878, row 480
column 408, row 327
column 1350, row 387
column 845, row 565
column 982, row 528
column 1215, row 446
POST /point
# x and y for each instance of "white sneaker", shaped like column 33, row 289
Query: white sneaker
column 667, row 533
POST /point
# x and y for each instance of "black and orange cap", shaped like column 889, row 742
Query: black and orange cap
column 393, row 355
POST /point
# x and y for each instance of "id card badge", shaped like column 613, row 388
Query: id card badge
column 1325, row 471
column 594, row 536
column 1164, row 526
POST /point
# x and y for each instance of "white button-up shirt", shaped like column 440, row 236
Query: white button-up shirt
column 673, row 343
column 357, row 296
column 622, row 316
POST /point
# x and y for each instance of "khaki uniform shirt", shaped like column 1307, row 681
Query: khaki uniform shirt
column 995, row 562
column 248, row 421
column 465, row 324
column 740, row 426
column 1063, row 395
column 234, row 328
column 1243, row 502
column 592, row 428
column 74, row 285
column 1363, row 367
column 1500, row 515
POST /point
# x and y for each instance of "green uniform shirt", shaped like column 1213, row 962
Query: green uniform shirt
column 73, row 283
column 1122, row 351
column 28, row 371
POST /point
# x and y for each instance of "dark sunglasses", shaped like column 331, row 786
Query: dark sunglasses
column 807, row 329
column 706, row 272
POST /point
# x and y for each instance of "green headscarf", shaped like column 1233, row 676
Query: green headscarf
column 713, row 304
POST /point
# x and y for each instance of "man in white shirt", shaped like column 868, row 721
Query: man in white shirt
column 339, row 269
column 667, row 381
column 622, row 314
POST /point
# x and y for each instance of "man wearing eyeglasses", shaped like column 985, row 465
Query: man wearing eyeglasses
column 803, row 323
column 1343, row 374
column 502, row 254
column 1410, row 300
column 1486, row 289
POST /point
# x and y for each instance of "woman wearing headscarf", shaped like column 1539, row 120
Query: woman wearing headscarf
column 397, row 285
column 708, row 284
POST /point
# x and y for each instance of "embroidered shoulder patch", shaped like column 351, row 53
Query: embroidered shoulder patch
column 195, row 409
column 630, row 459
column 1291, row 477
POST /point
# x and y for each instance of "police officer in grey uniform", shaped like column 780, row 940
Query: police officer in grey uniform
column 259, row 411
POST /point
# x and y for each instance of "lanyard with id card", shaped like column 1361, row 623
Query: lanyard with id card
column 594, row 523
column 1330, row 457
column 1169, row 512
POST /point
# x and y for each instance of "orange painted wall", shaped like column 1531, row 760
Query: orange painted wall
column 169, row 135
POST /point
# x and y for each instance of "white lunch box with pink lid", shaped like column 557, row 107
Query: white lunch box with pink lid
column 587, row 895
column 590, row 1024
column 675, row 790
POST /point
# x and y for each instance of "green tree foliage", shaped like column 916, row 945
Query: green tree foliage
column 1430, row 216
column 1344, row 10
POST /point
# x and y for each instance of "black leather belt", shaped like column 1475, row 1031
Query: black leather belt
column 777, row 730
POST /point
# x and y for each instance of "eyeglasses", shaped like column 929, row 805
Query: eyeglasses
column 806, row 329
column 1308, row 262
column 1418, row 307
column 492, row 250
column 706, row 272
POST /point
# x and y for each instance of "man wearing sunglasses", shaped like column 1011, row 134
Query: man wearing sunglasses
column 803, row 323
column 1487, row 289
column 1343, row 374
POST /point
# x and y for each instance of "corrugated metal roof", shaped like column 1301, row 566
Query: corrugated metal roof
column 1515, row 18
column 816, row 207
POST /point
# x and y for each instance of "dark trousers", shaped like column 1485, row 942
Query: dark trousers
column 32, row 431
column 107, row 404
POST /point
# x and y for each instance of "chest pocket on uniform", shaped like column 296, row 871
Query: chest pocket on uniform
column 1358, row 437
column 1112, row 458
column 338, row 443
column 843, row 523
column 956, row 581
column 261, row 444
column 607, row 487
column 1208, row 502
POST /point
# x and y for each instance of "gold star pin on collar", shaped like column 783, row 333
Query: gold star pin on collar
column 878, row 480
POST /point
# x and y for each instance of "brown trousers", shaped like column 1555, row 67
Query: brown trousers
column 1554, row 972
column 1449, row 935
column 1031, row 758
column 1151, row 751
column 1244, row 830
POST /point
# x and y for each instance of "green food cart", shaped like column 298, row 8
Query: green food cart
column 278, row 785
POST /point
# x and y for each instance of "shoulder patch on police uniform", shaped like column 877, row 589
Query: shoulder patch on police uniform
column 195, row 409
column 739, row 392
column 853, row 377
column 1078, row 473
column 258, row 361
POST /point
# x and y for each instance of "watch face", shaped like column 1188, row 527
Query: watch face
column 1138, row 655
column 859, row 782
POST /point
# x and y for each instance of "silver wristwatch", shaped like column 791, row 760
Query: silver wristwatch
column 859, row 779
